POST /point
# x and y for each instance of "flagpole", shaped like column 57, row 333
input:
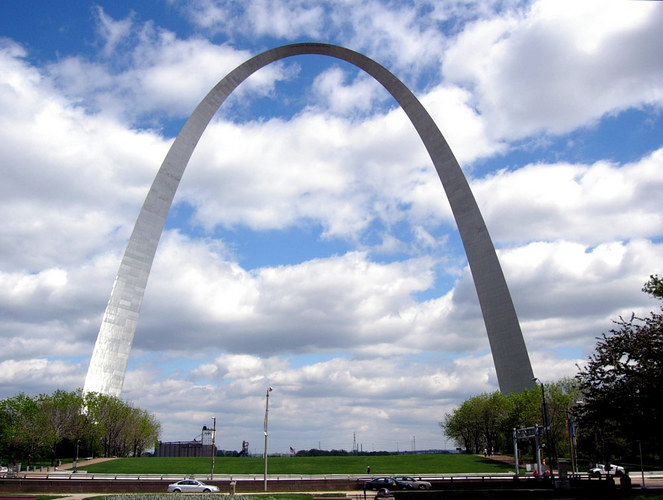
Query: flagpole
column 266, row 421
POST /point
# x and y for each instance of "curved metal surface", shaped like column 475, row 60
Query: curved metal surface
column 111, row 352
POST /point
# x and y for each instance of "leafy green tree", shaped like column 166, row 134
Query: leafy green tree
column 463, row 426
column 63, row 418
column 42, row 426
column 654, row 287
column 116, row 428
column 144, row 431
column 22, row 424
column 487, row 421
column 622, row 385
column 478, row 423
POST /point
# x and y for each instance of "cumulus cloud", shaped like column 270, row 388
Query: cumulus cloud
column 162, row 74
column 587, row 59
column 593, row 203
column 339, row 303
column 273, row 18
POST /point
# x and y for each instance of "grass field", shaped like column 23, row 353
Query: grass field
column 381, row 464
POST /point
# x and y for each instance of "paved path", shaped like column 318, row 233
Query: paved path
column 83, row 463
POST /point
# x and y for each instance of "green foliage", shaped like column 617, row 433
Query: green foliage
column 382, row 464
column 117, row 428
column 654, row 287
column 60, row 424
column 622, row 385
column 620, row 388
column 486, row 422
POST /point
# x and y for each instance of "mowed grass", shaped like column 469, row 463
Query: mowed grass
column 380, row 465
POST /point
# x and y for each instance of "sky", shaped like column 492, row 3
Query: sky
column 310, row 247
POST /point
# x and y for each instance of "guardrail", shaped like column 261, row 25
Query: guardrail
column 83, row 475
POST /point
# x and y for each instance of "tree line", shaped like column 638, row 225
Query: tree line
column 611, row 405
column 49, row 427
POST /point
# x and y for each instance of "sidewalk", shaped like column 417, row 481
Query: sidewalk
column 83, row 463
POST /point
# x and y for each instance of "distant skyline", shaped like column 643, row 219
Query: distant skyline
column 311, row 247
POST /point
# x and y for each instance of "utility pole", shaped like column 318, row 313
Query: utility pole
column 213, row 446
column 266, row 432
column 546, row 427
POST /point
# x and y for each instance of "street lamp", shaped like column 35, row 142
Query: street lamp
column 213, row 446
column 76, row 460
column 546, row 425
column 269, row 389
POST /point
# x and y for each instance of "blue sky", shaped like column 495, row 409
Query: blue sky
column 311, row 247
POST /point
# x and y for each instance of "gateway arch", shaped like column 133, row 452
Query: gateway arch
column 111, row 351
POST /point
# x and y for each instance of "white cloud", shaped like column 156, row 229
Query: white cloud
column 64, row 172
column 164, row 74
column 559, row 65
column 582, row 203
column 39, row 375
column 273, row 18
column 345, row 302
column 330, row 88
column 112, row 31
column 272, row 174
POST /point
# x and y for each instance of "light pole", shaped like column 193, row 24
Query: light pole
column 76, row 460
column 571, row 430
column 213, row 446
column 269, row 389
column 642, row 468
column 546, row 426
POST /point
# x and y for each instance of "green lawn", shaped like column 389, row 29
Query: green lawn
column 382, row 464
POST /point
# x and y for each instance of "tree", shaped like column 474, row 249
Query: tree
column 487, row 421
column 63, row 418
column 42, row 426
column 144, row 431
column 464, row 426
column 654, row 287
column 622, row 385
column 21, row 428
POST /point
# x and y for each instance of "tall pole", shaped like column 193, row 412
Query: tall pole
column 515, row 451
column 213, row 446
column 266, row 433
column 642, row 467
column 570, row 425
column 76, row 461
column 546, row 426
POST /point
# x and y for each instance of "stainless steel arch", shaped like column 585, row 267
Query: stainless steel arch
column 111, row 352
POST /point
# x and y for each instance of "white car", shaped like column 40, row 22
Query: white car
column 611, row 470
column 192, row 486
column 412, row 483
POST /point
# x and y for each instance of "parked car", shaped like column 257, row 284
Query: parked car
column 611, row 470
column 192, row 486
column 412, row 483
column 377, row 483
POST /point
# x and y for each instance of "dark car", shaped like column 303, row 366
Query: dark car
column 412, row 483
column 377, row 483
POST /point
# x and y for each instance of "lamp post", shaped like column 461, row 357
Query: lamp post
column 571, row 430
column 213, row 446
column 269, row 389
column 76, row 460
column 546, row 425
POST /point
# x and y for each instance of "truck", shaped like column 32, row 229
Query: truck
column 611, row 470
